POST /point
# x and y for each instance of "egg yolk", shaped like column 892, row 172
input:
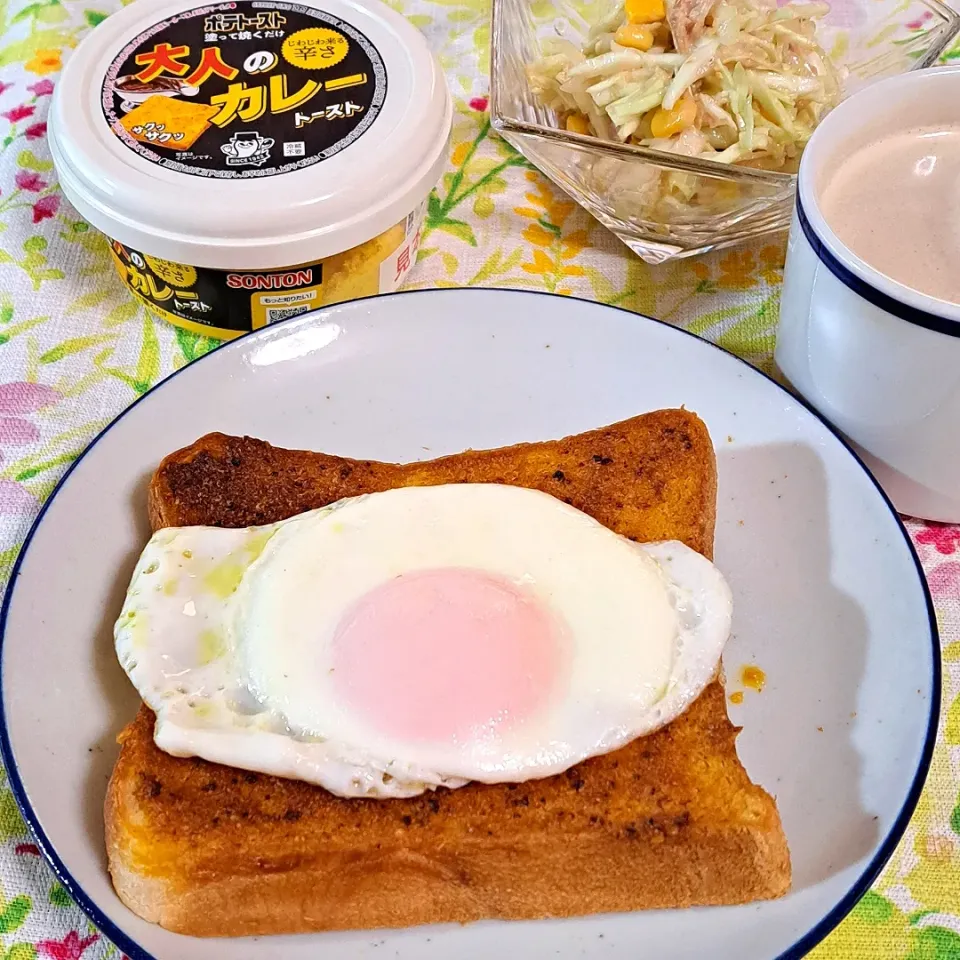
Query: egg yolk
column 447, row 654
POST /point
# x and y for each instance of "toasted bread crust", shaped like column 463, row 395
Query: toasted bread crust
column 652, row 477
column 669, row 820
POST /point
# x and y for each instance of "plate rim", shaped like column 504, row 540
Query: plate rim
column 800, row 946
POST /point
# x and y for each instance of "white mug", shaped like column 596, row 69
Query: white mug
column 878, row 360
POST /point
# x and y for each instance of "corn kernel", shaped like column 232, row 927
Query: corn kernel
column 665, row 123
column 644, row 11
column 576, row 123
column 635, row 36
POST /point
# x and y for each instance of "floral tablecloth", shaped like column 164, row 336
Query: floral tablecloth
column 75, row 350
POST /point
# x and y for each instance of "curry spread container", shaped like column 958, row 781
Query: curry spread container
column 255, row 159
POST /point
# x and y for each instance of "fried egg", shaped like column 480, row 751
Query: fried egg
column 419, row 637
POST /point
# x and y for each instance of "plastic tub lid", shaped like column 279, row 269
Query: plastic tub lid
column 250, row 134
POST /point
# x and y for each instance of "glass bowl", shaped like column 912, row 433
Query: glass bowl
column 870, row 38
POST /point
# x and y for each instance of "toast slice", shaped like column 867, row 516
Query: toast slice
column 670, row 820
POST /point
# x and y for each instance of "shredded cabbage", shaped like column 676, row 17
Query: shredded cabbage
column 754, row 71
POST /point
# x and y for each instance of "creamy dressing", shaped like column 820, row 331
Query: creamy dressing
column 894, row 202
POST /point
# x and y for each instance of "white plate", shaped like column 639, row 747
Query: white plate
column 829, row 598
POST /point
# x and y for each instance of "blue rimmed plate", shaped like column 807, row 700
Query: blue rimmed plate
column 829, row 598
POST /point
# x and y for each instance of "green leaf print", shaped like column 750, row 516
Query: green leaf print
column 935, row 943
column 94, row 17
column 26, row 13
column 10, row 332
column 148, row 362
column 11, row 822
column 474, row 177
column 192, row 345
column 7, row 558
column 955, row 818
column 14, row 914
column 640, row 293
column 951, row 732
column 51, row 12
column 21, row 951
column 873, row 908
column 483, row 207
column 73, row 346
column 85, row 301
column 77, row 226
column 30, row 161
column 148, row 366
column 705, row 321
column 34, row 262
column 951, row 652
column 22, row 50
column 450, row 262
column 59, row 896
column 122, row 313
column 458, row 228
column 96, row 243
column 603, row 289
column 34, row 471
column 496, row 265
column 876, row 929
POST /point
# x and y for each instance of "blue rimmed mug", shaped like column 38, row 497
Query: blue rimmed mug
column 879, row 360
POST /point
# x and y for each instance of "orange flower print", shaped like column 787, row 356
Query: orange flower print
column 544, row 204
column 539, row 237
column 771, row 262
column 737, row 271
column 740, row 269
column 574, row 243
column 460, row 152
column 700, row 270
column 540, row 264
column 44, row 61
column 551, row 249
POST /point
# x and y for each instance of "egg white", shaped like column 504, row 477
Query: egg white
column 226, row 635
